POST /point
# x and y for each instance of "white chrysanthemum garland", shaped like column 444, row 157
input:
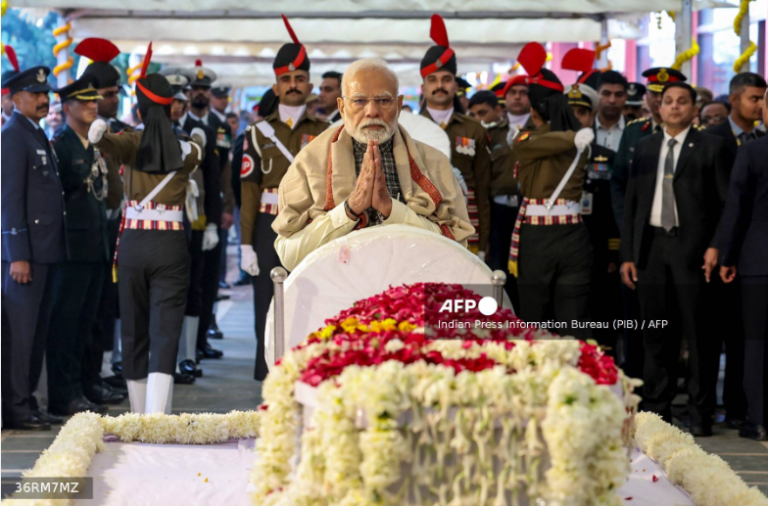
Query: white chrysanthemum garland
column 339, row 464
column 71, row 453
column 69, row 456
column 708, row 478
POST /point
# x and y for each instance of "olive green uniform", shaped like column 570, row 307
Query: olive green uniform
column 263, row 167
column 470, row 154
column 505, row 201
column 555, row 253
column 153, row 262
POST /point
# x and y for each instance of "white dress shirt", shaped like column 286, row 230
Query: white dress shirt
column 657, row 195
column 609, row 137
column 221, row 115
column 293, row 112
column 203, row 120
column 439, row 116
column 518, row 122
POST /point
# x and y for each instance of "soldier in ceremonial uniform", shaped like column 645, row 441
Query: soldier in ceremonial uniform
column 633, row 109
column 269, row 148
column 7, row 103
column 152, row 257
column 106, row 330
column 553, row 245
column 78, row 282
column 34, row 241
column 505, row 195
column 200, row 95
column 469, row 140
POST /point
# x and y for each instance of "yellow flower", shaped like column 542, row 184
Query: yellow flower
column 350, row 324
column 327, row 332
column 406, row 326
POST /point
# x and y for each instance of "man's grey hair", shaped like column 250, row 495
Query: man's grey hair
column 369, row 64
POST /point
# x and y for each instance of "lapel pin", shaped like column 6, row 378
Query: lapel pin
column 690, row 145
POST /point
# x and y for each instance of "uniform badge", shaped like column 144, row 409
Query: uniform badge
column 40, row 76
column 200, row 74
column 663, row 76
column 524, row 136
column 645, row 127
column 247, row 166
column 465, row 146
column 601, row 158
column 306, row 139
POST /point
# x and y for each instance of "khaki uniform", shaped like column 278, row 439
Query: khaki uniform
column 505, row 201
column 470, row 154
column 153, row 261
column 555, row 252
column 261, row 172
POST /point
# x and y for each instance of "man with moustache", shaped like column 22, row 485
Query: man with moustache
column 330, row 91
column 33, row 242
column 380, row 175
column 469, row 140
column 269, row 148
column 201, row 111
column 675, row 197
column 78, row 282
column 106, row 329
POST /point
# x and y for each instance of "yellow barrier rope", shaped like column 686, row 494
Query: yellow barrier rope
column 59, row 30
column 3, row 8
column 687, row 55
column 745, row 56
column 743, row 10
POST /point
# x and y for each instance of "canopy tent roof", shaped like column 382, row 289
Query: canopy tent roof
column 239, row 38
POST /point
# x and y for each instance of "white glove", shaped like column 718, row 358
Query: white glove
column 248, row 261
column 210, row 237
column 199, row 132
column 584, row 138
column 96, row 132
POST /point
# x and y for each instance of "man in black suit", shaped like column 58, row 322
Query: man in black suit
column 674, row 200
column 33, row 241
column 746, row 99
column 744, row 242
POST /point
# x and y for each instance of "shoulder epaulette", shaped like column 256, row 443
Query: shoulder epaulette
column 700, row 128
column 639, row 120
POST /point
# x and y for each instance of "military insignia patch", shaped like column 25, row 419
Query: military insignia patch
column 40, row 76
column 247, row 166
column 465, row 146
column 646, row 126
column 200, row 74
column 663, row 76
column 306, row 139
column 524, row 136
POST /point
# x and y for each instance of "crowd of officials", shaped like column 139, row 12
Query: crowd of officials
column 605, row 199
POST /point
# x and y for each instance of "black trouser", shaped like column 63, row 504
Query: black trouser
column 153, row 268
column 724, row 300
column 503, row 220
column 634, row 354
column 554, row 265
column 210, row 285
column 76, row 292
column 263, row 289
column 196, row 266
column 754, row 291
column 669, row 288
column 27, row 311
column 605, row 293
column 109, row 307
column 223, row 238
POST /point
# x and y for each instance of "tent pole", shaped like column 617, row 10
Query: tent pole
column 683, row 35
column 603, row 62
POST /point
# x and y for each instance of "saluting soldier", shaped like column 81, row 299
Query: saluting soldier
column 269, row 148
column 152, row 257
column 553, row 245
column 34, row 241
column 106, row 330
column 201, row 80
column 469, row 140
column 505, row 196
column 596, row 210
column 78, row 282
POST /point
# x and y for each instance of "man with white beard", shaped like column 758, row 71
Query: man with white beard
column 367, row 172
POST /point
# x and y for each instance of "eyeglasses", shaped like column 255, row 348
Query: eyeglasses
column 383, row 103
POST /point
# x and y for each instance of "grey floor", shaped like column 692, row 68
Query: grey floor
column 228, row 384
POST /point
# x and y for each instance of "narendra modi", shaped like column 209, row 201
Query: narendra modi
column 367, row 172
